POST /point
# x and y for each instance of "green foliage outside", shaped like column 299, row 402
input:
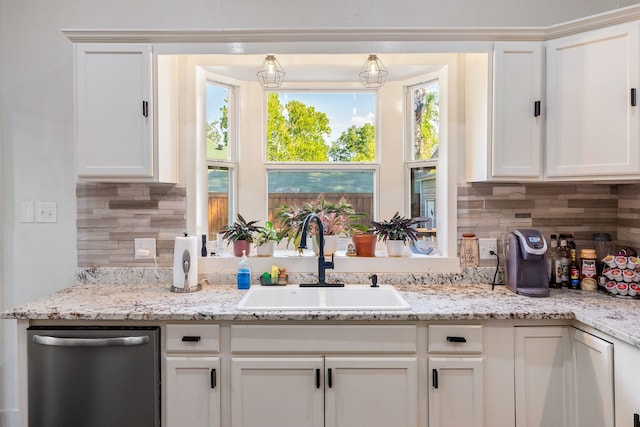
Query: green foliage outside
column 427, row 121
column 356, row 144
column 298, row 136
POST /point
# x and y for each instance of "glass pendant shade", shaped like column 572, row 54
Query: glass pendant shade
column 373, row 73
column 270, row 75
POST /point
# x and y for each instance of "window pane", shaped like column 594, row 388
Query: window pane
column 426, row 123
column 219, row 206
column 294, row 188
column 217, row 106
column 321, row 127
column 423, row 200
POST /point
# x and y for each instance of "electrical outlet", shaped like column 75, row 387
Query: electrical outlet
column 45, row 212
column 486, row 245
column 145, row 248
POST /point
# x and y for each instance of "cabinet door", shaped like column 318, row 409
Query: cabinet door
column 277, row 392
column 113, row 111
column 593, row 373
column 627, row 384
column 371, row 391
column 456, row 392
column 542, row 376
column 592, row 127
column 192, row 391
column 517, row 121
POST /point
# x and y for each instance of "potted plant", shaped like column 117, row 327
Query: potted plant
column 364, row 242
column 395, row 232
column 242, row 233
column 337, row 220
column 267, row 239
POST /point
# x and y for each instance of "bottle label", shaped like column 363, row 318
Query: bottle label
column 575, row 277
column 588, row 268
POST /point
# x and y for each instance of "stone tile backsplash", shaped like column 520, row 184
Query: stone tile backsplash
column 111, row 215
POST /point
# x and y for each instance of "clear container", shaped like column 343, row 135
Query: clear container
column 469, row 250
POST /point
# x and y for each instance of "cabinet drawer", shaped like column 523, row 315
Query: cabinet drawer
column 323, row 338
column 193, row 338
column 455, row 339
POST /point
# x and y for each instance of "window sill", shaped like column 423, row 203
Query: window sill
column 308, row 263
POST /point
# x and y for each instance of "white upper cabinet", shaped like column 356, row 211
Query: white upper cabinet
column 517, row 106
column 504, row 113
column 592, row 124
column 114, row 114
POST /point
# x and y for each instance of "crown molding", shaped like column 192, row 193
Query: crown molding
column 305, row 35
column 253, row 35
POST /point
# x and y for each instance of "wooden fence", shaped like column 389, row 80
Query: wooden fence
column 219, row 205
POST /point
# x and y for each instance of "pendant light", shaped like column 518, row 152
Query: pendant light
column 373, row 73
column 270, row 75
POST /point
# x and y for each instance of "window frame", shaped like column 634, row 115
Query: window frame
column 251, row 206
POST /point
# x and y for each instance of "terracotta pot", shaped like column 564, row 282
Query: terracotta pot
column 241, row 245
column 365, row 244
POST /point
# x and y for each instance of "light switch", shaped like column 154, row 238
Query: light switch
column 26, row 212
column 46, row 212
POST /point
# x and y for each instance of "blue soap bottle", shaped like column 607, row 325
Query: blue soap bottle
column 244, row 272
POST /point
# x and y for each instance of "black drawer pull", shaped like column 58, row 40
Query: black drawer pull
column 456, row 339
column 213, row 378
column 434, row 378
column 329, row 378
column 636, row 420
column 536, row 109
column 145, row 108
column 317, row 378
column 190, row 338
column 633, row 97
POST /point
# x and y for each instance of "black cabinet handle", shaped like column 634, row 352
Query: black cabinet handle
column 536, row 109
column 434, row 378
column 190, row 338
column 636, row 420
column 329, row 378
column 317, row 378
column 633, row 97
column 456, row 339
column 213, row 378
column 145, row 108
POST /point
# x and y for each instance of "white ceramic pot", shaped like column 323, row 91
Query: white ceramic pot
column 266, row 249
column 395, row 247
column 330, row 245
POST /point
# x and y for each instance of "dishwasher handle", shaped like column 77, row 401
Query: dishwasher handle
column 90, row 342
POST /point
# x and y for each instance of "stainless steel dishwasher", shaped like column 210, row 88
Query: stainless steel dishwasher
column 94, row 377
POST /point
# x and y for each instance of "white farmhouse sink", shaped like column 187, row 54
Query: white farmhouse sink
column 351, row 297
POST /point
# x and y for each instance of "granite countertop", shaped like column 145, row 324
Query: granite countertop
column 615, row 316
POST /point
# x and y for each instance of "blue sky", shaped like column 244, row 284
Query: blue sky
column 343, row 109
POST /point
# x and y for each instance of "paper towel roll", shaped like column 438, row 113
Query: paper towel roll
column 189, row 244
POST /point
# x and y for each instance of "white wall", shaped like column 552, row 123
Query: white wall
column 36, row 115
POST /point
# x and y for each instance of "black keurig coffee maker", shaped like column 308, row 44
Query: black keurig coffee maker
column 526, row 270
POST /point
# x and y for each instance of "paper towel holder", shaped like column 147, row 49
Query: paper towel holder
column 186, row 263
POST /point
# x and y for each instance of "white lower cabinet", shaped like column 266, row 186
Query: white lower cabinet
column 456, row 394
column 455, row 375
column 592, row 359
column 627, row 385
column 324, row 391
column 542, row 376
column 193, row 391
column 192, row 382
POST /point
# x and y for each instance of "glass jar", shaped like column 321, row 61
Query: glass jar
column 468, row 250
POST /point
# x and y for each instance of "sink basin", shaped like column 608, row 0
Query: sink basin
column 351, row 297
